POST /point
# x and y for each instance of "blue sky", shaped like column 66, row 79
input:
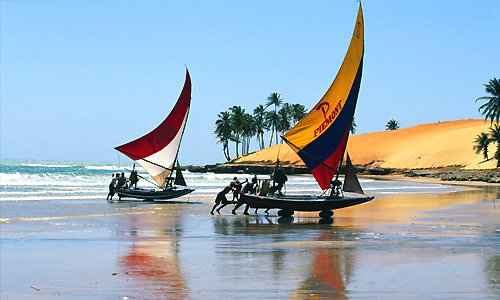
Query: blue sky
column 81, row 77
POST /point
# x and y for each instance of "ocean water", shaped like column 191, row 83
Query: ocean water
column 38, row 180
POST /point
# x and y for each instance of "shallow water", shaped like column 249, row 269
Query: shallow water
column 398, row 246
column 89, row 250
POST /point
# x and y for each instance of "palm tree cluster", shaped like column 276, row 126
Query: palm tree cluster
column 238, row 126
column 491, row 110
column 483, row 141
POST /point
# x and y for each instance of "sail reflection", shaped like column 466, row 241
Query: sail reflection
column 151, row 259
column 330, row 272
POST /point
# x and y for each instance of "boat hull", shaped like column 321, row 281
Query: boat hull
column 303, row 203
column 152, row 194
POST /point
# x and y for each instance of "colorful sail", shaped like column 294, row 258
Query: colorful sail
column 321, row 136
column 157, row 151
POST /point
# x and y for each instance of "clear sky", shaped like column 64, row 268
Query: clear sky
column 81, row 77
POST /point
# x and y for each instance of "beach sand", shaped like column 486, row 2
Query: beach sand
column 424, row 146
column 428, row 246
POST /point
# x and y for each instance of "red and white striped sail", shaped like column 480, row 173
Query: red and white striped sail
column 157, row 151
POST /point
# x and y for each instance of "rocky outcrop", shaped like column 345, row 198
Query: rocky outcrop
column 246, row 169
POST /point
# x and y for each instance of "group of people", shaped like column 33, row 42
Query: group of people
column 279, row 178
column 236, row 187
column 119, row 181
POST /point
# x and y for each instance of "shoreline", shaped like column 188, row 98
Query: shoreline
column 431, row 180
column 451, row 175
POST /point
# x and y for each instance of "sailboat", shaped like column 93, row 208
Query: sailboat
column 320, row 140
column 157, row 152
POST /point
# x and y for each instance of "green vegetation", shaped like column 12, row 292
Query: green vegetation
column 491, row 110
column 392, row 125
column 482, row 142
column 238, row 126
column 495, row 137
column 352, row 128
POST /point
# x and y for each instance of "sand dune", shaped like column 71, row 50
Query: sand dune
column 424, row 146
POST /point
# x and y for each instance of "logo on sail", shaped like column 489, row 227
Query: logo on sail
column 329, row 116
column 358, row 29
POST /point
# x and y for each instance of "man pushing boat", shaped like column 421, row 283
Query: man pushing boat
column 221, row 198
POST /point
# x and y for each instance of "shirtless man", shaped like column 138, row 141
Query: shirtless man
column 221, row 198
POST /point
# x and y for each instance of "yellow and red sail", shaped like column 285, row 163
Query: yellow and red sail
column 321, row 136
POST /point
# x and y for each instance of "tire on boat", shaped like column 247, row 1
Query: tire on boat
column 285, row 212
column 326, row 214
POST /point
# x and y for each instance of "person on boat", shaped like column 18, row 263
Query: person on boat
column 236, row 186
column 250, row 187
column 279, row 179
column 263, row 191
column 121, row 181
column 133, row 179
column 112, row 188
column 221, row 198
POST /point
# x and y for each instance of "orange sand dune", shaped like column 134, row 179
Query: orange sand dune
column 424, row 146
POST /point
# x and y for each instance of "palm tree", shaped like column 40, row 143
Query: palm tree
column 284, row 117
column 259, row 116
column 392, row 125
column 495, row 137
column 298, row 111
column 276, row 100
column 272, row 119
column 237, row 140
column 223, row 132
column 247, row 132
column 491, row 108
column 236, row 121
column 482, row 142
column 352, row 129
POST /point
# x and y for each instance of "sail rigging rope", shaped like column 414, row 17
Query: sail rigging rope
column 289, row 148
column 279, row 149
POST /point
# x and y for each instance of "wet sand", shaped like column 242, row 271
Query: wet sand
column 444, row 246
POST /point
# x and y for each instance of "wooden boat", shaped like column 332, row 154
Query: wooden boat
column 153, row 194
column 305, row 203
column 157, row 152
column 320, row 140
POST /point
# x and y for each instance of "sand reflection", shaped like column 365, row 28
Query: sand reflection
column 407, row 208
